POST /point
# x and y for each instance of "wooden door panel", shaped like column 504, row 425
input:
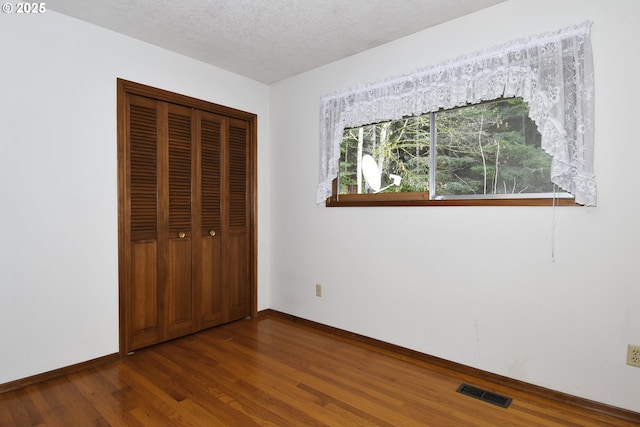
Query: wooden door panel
column 210, row 288
column 144, row 291
column 236, row 281
column 211, row 236
column 178, row 289
column 142, row 170
column 178, row 302
column 237, row 168
column 180, row 154
column 210, row 173
column 145, row 316
column 236, row 289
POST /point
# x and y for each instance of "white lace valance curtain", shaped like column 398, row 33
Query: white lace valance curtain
column 552, row 72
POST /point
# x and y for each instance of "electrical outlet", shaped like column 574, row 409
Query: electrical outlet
column 318, row 290
column 633, row 355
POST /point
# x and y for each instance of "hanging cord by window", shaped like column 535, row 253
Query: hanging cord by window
column 554, row 220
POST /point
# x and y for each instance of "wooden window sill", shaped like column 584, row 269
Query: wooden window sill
column 422, row 199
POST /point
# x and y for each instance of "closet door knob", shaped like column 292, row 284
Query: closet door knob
column 182, row 234
column 212, row 233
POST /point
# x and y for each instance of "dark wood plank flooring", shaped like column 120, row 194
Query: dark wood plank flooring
column 271, row 371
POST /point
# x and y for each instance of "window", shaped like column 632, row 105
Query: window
column 552, row 72
column 489, row 151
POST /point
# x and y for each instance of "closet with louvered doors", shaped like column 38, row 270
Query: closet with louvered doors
column 186, row 216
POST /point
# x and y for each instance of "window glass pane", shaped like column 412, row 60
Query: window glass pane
column 485, row 150
column 489, row 149
column 399, row 148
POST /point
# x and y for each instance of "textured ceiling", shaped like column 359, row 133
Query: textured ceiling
column 267, row 40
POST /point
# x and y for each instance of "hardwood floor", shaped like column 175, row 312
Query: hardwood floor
column 274, row 372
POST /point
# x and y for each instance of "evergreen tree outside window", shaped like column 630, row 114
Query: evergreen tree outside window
column 488, row 150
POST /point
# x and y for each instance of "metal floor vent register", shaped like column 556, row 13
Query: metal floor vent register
column 487, row 396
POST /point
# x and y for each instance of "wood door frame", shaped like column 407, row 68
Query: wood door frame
column 125, row 88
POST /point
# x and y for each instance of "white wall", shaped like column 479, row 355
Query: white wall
column 58, row 184
column 475, row 285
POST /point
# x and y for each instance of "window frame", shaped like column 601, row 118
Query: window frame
column 561, row 198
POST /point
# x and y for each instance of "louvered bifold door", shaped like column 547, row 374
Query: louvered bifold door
column 208, row 285
column 178, row 302
column 237, row 242
column 144, row 289
column 186, row 215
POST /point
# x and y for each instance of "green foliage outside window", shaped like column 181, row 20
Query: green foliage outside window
column 485, row 149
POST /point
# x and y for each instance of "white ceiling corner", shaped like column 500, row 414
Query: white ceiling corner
column 267, row 40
